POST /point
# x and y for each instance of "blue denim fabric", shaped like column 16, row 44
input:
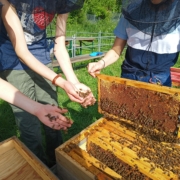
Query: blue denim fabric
column 162, row 78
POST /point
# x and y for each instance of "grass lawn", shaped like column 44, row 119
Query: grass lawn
column 82, row 117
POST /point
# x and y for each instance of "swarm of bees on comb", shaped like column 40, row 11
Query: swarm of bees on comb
column 137, row 138
column 122, row 153
column 151, row 112
column 133, row 156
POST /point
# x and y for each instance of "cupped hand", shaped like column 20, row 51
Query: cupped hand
column 71, row 91
column 95, row 68
column 89, row 100
column 52, row 116
column 86, row 93
column 81, row 87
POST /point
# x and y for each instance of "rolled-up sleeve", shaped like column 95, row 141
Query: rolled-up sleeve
column 120, row 30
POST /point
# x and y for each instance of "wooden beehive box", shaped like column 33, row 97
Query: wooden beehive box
column 136, row 139
column 17, row 162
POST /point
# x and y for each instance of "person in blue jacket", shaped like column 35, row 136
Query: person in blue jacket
column 27, row 66
column 150, row 30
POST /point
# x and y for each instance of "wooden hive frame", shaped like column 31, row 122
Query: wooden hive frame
column 74, row 162
column 143, row 102
column 80, row 162
column 18, row 162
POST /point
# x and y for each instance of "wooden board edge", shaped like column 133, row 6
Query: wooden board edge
column 43, row 171
column 138, row 84
column 7, row 145
column 82, row 135
column 74, row 168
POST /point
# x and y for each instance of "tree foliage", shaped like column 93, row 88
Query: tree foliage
column 102, row 9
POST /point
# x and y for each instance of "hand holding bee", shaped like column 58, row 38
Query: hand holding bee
column 52, row 116
column 88, row 97
column 86, row 93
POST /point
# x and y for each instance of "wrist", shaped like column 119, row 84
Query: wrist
column 71, row 77
column 36, row 107
column 102, row 61
column 55, row 79
column 58, row 81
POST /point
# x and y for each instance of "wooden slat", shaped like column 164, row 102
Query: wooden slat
column 102, row 176
column 90, row 163
column 24, row 172
column 90, row 39
column 10, row 162
column 173, row 69
column 78, row 58
column 175, row 79
column 6, row 145
column 116, row 125
column 82, row 135
column 121, row 131
column 84, row 162
column 33, row 161
column 18, row 162
column 75, row 169
column 101, row 132
column 63, row 159
column 116, row 128
column 176, row 74
column 175, row 83
column 128, row 156
column 138, row 84
column 85, row 57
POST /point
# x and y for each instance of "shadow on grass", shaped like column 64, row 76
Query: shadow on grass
column 76, row 66
column 82, row 118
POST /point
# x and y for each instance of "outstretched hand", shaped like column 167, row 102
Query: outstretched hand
column 71, row 91
column 85, row 92
column 95, row 68
column 79, row 93
column 52, row 116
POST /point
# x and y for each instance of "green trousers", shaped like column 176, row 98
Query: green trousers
column 39, row 89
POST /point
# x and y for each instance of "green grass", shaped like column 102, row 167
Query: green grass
column 82, row 117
